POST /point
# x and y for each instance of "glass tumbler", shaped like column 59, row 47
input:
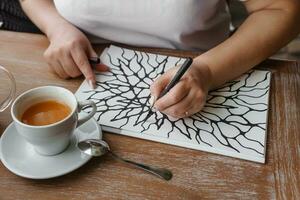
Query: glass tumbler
column 7, row 88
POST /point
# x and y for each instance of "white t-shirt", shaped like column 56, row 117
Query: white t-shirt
column 182, row 24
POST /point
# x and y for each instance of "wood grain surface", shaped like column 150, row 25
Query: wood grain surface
column 197, row 175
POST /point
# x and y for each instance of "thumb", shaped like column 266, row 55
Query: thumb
column 161, row 83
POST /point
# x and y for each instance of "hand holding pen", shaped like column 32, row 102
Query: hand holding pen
column 181, row 91
column 68, row 54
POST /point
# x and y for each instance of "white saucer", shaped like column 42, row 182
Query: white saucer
column 20, row 158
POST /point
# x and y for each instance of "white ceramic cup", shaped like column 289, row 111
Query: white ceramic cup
column 54, row 138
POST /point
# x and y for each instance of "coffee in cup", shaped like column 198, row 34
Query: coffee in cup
column 47, row 117
column 45, row 113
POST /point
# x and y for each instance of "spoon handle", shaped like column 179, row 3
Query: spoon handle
column 160, row 172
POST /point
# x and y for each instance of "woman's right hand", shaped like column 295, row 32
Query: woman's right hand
column 68, row 53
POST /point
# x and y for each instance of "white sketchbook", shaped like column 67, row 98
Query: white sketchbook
column 232, row 123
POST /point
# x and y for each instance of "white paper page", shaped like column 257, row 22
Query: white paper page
column 232, row 123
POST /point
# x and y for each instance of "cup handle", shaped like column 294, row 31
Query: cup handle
column 83, row 104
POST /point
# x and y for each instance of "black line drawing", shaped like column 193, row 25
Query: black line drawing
column 233, row 119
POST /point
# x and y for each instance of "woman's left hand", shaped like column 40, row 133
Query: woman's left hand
column 188, row 96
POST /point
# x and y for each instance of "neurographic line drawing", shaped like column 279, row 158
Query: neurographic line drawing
column 233, row 121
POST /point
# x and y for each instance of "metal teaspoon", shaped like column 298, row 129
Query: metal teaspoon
column 95, row 147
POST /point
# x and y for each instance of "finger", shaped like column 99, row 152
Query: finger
column 58, row 69
column 183, row 107
column 69, row 66
column 192, row 104
column 198, row 104
column 81, row 60
column 161, row 82
column 194, row 109
column 91, row 52
column 102, row 68
column 175, row 95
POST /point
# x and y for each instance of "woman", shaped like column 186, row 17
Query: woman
column 181, row 24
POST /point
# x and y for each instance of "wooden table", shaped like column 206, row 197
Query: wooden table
column 197, row 175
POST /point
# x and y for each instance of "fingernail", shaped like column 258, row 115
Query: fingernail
column 151, row 101
column 91, row 84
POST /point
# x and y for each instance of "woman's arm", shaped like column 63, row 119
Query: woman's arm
column 43, row 14
column 270, row 25
column 69, row 48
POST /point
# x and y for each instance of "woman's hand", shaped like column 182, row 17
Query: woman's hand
column 68, row 53
column 188, row 96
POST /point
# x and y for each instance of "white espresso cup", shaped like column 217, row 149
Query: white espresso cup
column 54, row 138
